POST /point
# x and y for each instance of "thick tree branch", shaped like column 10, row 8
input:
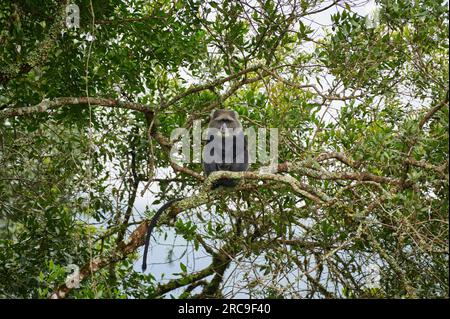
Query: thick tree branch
column 340, row 157
column 47, row 104
column 433, row 111
column 302, row 168
column 180, row 282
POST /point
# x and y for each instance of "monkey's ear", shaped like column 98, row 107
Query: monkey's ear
column 211, row 116
column 236, row 115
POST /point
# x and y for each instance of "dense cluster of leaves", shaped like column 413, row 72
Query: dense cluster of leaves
column 362, row 113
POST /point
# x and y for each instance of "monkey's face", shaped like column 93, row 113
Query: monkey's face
column 226, row 122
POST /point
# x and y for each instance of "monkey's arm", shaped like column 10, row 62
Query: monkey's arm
column 208, row 168
column 240, row 167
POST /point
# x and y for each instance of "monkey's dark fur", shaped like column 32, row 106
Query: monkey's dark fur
column 226, row 137
column 225, row 140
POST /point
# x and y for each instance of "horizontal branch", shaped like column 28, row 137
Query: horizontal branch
column 340, row 157
column 184, row 281
column 296, row 186
column 301, row 168
column 48, row 104
column 423, row 164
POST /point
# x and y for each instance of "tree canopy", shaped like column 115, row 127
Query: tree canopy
column 355, row 207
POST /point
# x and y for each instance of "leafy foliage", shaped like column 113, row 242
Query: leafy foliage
column 357, row 209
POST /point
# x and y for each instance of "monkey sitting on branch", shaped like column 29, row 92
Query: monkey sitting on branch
column 226, row 149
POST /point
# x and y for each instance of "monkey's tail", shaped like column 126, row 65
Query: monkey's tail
column 152, row 225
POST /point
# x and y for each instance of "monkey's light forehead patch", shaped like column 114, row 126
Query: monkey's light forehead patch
column 222, row 112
